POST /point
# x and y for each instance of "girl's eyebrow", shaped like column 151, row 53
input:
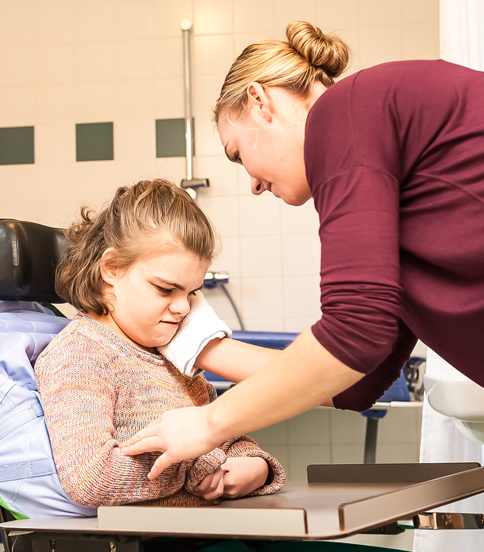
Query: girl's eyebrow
column 175, row 285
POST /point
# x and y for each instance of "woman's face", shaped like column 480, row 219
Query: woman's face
column 271, row 148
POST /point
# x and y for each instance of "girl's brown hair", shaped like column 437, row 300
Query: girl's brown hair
column 150, row 216
column 308, row 56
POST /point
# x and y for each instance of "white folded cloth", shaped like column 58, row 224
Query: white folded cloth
column 198, row 328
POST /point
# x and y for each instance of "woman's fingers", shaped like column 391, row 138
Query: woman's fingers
column 141, row 444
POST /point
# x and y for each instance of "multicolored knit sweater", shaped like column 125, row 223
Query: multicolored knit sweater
column 98, row 390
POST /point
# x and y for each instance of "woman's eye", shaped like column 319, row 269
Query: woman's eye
column 237, row 158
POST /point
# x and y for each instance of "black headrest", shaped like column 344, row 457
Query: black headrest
column 29, row 254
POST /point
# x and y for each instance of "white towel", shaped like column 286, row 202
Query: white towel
column 198, row 328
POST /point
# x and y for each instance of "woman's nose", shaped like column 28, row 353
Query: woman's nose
column 256, row 186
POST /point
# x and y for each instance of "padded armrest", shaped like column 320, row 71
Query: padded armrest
column 29, row 253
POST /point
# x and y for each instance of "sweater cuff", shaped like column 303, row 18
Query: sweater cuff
column 276, row 477
column 203, row 466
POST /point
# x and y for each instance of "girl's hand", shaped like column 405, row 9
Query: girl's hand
column 211, row 486
column 242, row 475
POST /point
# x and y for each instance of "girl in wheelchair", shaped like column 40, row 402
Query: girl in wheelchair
column 134, row 271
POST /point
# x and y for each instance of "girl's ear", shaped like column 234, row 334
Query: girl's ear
column 260, row 100
column 109, row 271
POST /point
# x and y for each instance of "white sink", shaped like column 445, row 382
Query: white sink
column 460, row 398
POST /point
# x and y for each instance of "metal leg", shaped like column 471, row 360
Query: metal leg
column 370, row 440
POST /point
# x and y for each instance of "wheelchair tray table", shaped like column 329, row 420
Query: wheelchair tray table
column 339, row 500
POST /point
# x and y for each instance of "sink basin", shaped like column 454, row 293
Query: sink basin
column 461, row 399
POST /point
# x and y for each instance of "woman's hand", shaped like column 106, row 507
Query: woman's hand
column 211, row 486
column 181, row 434
column 242, row 475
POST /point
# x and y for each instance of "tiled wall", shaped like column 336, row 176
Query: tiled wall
column 70, row 62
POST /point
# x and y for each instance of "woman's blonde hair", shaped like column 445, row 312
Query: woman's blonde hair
column 151, row 216
column 308, row 56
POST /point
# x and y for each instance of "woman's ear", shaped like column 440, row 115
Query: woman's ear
column 109, row 270
column 260, row 100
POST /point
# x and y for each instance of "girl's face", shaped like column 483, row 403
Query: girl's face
column 270, row 145
column 153, row 296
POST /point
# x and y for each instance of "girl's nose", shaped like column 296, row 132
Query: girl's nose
column 180, row 305
column 256, row 186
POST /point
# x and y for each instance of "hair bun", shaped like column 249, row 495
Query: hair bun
column 320, row 50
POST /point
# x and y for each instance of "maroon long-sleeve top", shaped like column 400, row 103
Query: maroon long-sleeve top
column 395, row 162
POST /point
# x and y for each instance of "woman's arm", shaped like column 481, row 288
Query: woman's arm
column 234, row 360
column 302, row 376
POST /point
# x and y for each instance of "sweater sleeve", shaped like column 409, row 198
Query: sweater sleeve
column 363, row 394
column 79, row 404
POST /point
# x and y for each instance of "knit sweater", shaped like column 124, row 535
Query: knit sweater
column 98, row 389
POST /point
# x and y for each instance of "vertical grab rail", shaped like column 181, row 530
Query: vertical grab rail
column 189, row 181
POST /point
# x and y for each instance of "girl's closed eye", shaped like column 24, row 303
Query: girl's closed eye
column 164, row 291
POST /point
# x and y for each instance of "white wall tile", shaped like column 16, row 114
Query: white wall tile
column 133, row 59
column 261, row 256
column 54, row 24
column 24, row 211
column 222, row 306
column 264, row 324
column 334, row 16
column 397, row 453
column 212, row 55
column 56, row 185
column 347, row 454
column 259, row 216
column 132, row 19
column 301, row 297
column 244, row 181
column 93, row 22
column 221, row 173
column 299, row 220
column 301, row 456
column 55, row 103
column 281, row 452
column 222, row 211
column 242, row 40
column 134, row 140
column 134, row 99
column 95, row 182
column 94, row 102
column 54, row 64
column 301, row 255
column 17, row 66
column 416, row 11
column 207, row 141
column 205, row 92
column 380, row 44
column 94, row 61
column 379, row 12
column 11, row 20
column 55, row 144
column 276, row 434
column 17, row 106
column 212, row 17
column 167, row 16
column 169, row 98
column 168, row 58
column 129, row 172
column 18, row 185
column 59, row 215
column 399, row 426
column 172, row 168
column 228, row 257
column 347, row 428
column 421, row 41
column 254, row 15
column 288, row 10
column 310, row 428
column 298, row 324
column 261, row 298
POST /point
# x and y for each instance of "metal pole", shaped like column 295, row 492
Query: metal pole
column 186, row 26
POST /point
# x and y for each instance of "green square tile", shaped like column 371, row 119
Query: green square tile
column 16, row 145
column 94, row 142
column 170, row 138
